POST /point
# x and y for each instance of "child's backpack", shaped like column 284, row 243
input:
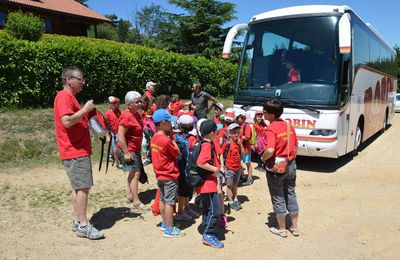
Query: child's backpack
column 195, row 176
column 99, row 127
column 253, row 138
column 228, row 146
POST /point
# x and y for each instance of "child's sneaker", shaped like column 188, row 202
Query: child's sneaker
column 174, row 232
column 213, row 241
column 163, row 226
column 248, row 182
column 191, row 213
column 234, row 205
column 223, row 221
column 89, row 231
column 182, row 217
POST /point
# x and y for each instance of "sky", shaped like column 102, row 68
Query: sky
column 382, row 14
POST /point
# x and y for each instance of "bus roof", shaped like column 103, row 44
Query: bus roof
column 299, row 10
column 313, row 9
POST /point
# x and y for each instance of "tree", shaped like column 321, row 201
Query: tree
column 200, row 31
column 104, row 31
column 25, row 26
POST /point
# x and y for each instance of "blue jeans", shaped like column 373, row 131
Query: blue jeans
column 211, row 213
column 282, row 190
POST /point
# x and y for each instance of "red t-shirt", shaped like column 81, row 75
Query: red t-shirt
column 232, row 161
column 112, row 116
column 245, row 131
column 260, row 129
column 164, row 154
column 74, row 141
column 293, row 75
column 148, row 94
column 276, row 137
column 173, row 108
column 210, row 185
column 216, row 120
column 192, row 140
column 153, row 108
column 134, row 124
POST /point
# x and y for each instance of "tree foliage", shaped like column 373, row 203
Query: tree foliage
column 200, row 30
column 25, row 26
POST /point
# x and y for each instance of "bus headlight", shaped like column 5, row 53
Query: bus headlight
column 323, row 132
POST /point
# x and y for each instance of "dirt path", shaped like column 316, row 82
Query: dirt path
column 349, row 210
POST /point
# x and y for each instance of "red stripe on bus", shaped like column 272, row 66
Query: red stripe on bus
column 317, row 139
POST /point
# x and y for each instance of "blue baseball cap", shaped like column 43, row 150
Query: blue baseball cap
column 162, row 114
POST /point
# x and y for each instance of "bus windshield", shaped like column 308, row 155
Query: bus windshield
column 294, row 59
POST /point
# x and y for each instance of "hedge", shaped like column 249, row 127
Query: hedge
column 30, row 71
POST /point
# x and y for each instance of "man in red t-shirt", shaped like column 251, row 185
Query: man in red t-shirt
column 112, row 116
column 230, row 158
column 281, row 186
column 208, row 190
column 73, row 141
column 165, row 154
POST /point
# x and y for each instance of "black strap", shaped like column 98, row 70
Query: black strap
column 103, row 141
column 228, row 146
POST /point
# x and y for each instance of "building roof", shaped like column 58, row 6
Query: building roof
column 65, row 6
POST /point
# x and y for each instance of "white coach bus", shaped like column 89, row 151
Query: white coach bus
column 334, row 74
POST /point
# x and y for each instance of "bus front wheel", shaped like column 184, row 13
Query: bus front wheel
column 357, row 140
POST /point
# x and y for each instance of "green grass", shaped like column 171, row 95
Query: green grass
column 28, row 136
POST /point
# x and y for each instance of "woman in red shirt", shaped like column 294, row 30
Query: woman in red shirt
column 130, row 135
column 281, row 186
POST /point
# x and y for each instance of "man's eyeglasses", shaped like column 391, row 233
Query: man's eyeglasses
column 79, row 79
column 138, row 101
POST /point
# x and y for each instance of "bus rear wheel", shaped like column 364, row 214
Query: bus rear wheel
column 385, row 122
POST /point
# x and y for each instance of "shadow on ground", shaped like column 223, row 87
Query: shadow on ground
column 106, row 218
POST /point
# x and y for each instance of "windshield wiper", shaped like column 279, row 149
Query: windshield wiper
column 294, row 105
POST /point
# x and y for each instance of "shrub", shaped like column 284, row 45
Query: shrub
column 32, row 70
column 24, row 26
column 10, row 150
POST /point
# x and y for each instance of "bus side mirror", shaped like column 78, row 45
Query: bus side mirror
column 345, row 34
column 230, row 37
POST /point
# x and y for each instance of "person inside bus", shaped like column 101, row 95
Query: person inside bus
column 293, row 72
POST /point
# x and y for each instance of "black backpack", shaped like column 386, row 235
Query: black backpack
column 195, row 176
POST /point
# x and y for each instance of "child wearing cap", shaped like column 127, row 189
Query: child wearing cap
column 230, row 164
column 245, row 135
column 185, row 125
column 112, row 116
column 208, row 161
column 165, row 153
column 219, row 109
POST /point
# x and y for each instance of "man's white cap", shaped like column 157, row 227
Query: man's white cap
column 150, row 83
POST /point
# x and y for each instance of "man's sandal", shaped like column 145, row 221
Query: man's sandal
column 278, row 232
column 294, row 231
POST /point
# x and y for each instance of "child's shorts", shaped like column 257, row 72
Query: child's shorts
column 246, row 158
column 232, row 177
column 168, row 191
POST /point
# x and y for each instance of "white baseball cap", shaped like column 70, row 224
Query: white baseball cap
column 150, row 83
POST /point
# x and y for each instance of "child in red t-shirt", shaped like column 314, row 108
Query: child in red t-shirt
column 219, row 109
column 259, row 147
column 165, row 153
column 112, row 116
column 245, row 135
column 230, row 164
column 176, row 104
column 208, row 190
